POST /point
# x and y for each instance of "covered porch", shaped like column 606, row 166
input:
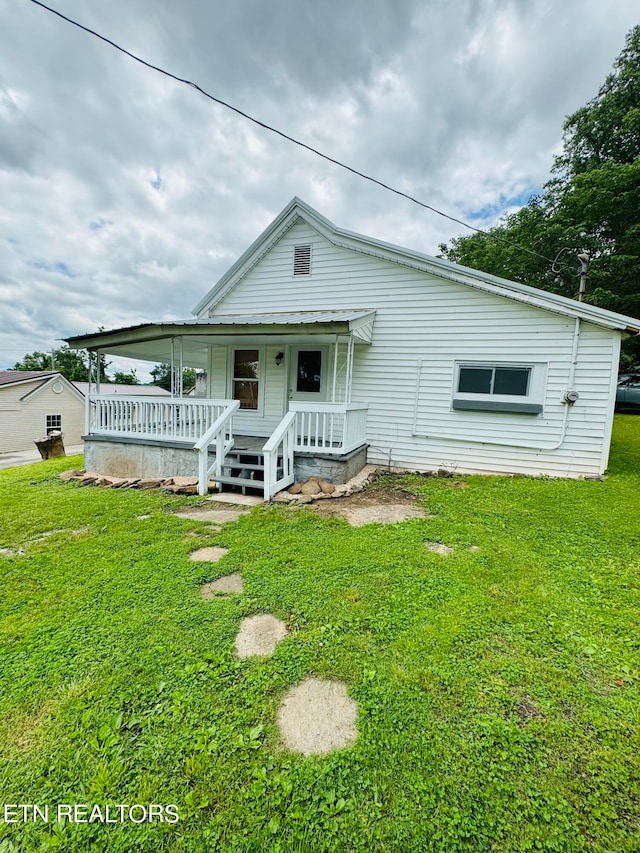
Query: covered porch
column 282, row 381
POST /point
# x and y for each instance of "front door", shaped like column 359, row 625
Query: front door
column 308, row 374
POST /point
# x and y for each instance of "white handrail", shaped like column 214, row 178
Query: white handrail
column 282, row 438
column 216, row 433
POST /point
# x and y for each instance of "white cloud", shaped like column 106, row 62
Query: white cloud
column 125, row 194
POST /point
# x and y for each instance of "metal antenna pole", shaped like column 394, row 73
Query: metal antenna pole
column 584, row 259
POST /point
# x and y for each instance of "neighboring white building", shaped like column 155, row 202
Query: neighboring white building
column 428, row 363
column 34, row 403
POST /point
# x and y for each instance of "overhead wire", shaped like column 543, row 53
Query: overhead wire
column 289, row 138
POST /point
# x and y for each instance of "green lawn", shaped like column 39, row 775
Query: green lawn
column 499, row 688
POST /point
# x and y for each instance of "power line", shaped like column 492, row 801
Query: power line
column 290, row 138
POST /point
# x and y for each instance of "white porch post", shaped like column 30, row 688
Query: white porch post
column 87, row 399
column 349, row 377
column 335, row 370
column 176, row 367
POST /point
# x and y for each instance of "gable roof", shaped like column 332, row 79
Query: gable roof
column 14, row 377
column 58, row 381
column 298, row 210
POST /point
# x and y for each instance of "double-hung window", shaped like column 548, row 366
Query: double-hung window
column 54, row 423
column 499, row 387
column 246, row 378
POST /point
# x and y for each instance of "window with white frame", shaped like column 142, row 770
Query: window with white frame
column 246, row 378
column 494, row 387
column 54, row 423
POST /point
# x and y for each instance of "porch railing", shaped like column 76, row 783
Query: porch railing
column 154, row 418
column 220, row 434
column 335, row 428
column 280, row 445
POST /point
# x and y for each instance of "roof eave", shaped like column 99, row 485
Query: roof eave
column 426, row 263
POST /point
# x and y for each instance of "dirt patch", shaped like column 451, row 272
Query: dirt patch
column 318, row 716
column 259, row 635
column 527, row 710
column 382, row 506
column 229, row 584
column 209, row 555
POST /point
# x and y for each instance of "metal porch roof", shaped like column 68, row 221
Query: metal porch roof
column 151, row 341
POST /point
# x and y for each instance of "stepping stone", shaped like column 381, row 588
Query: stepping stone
column 259, row 635
column 217, row 516
column 381, row 514
column 439, row 548
column 227, row 584
column 209, row 555
column 239, row 500
column 318, row 716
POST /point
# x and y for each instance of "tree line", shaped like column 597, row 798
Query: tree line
column 74, row 364
column 591, row 203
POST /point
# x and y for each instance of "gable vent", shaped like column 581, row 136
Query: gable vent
column 302, row 260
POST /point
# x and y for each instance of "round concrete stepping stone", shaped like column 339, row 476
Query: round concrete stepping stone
column 439, row 548
column 209, row 555
column 381, row 514
column 259, row 635
column 318, row 716
column 217, row 516
column 227, row 584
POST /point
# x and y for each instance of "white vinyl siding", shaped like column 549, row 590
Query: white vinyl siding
column 24, row 421
column 424, row 326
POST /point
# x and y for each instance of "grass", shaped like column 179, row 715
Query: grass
column 498, row 688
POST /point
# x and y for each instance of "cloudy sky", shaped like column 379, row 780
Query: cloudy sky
column 125, row 195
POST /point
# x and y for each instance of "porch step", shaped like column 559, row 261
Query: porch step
column 240, row 481
column 245, row 462
column 240, row 464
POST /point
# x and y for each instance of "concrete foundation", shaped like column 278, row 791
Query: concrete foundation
column 133, row 457
column 335, row 469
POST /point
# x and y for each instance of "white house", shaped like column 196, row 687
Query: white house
column 34, row 403
column 321, row 344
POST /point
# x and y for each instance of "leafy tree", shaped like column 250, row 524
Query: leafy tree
column 124, row 378
column 592, row 202
column 74, row 364
column 161, row 374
